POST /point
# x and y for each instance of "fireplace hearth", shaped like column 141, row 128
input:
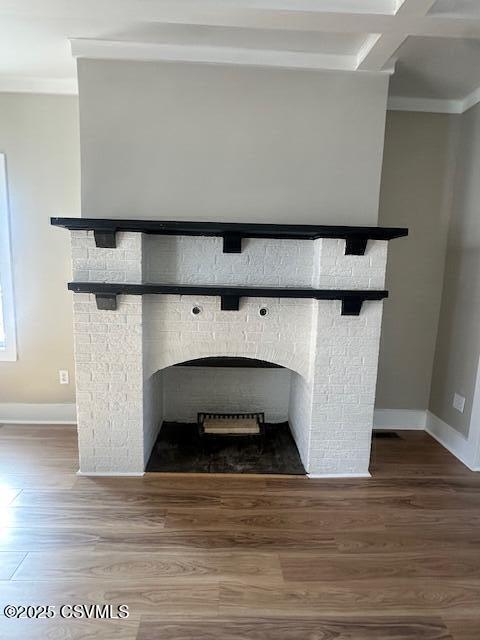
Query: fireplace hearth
column 180, row 448
column 153, row 297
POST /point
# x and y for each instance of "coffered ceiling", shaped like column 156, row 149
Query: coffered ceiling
column 432, row 48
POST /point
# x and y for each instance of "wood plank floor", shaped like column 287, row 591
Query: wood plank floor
column 396, row 557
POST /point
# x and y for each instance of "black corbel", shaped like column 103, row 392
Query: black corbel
column 232, row 243
column 351, row 306
column 106, row 302
column 230, row 303
column 105, row 239
column 355, row 246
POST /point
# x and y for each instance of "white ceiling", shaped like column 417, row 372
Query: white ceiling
column 455, row 8
column 435, row 45
column 437, row 68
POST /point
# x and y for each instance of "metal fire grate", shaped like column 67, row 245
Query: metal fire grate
column 231, row 424
column 385, row 434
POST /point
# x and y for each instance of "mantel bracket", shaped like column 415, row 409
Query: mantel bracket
column 106, row 301
column 230, row 303
column 355, row 246
column 105, row 239
column 351, row 306
column 232, row 243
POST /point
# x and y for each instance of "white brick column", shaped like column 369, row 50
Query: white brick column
column 344, row 361
column 108, row 359
column 344, row 374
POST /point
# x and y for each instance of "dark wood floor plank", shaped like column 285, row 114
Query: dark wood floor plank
column 45, row 539
column 320, row 628
column 156, row 567
column 360, row 487
column 92, row 518
column 60, row 629
column 196, row 597
column 414, row 501
column 222, row 540
column 115, row 499
column 298, row 521
column 386, row 597
column 154, row 483
column 410, row 538
column 297, row 567
column 49, row 479
column 463, row 628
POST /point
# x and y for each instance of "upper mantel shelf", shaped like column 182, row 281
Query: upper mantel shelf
column 105, row 230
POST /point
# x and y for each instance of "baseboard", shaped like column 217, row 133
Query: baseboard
column 111, row 474
column 411, row 419
column 23, row 413
column 326, row 476
column 453, row 441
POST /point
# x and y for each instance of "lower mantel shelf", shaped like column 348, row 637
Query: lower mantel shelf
column 106, row 294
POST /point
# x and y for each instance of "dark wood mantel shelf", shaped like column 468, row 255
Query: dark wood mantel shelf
column 106, row 294
column 105, row 230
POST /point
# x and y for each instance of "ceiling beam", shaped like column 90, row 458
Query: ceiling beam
column 151, row 10
column 377, row 52
column 292, row 15
column 415, row 7
column 144, row 51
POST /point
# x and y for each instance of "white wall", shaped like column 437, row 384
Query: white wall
column 174, row 140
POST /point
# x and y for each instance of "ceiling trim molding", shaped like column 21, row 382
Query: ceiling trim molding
column 370, row 7
column 152, row 52
column 54, row 86
column 471, row 100
column 432, row 105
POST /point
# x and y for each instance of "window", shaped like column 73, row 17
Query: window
column 8, row 343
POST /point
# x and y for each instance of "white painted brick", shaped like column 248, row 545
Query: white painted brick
column 225, row 390
column 122, row 356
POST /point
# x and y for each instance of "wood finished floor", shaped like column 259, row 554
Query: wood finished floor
column 205, row 557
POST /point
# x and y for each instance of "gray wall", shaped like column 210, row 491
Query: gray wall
column 416, row 192
column 174, row 140
column 39, row 135
column 458, row 344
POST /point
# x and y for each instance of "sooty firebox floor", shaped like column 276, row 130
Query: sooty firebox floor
column 180, row 448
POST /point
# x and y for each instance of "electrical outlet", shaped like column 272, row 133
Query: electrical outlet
column 458, row 402
column 63, row 376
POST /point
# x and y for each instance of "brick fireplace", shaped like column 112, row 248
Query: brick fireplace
column 309, row 301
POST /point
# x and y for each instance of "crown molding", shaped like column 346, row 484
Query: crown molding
column 57, row 86
column 152, row 52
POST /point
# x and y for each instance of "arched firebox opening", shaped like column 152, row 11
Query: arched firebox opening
column 224, row 414
column 226, row 361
